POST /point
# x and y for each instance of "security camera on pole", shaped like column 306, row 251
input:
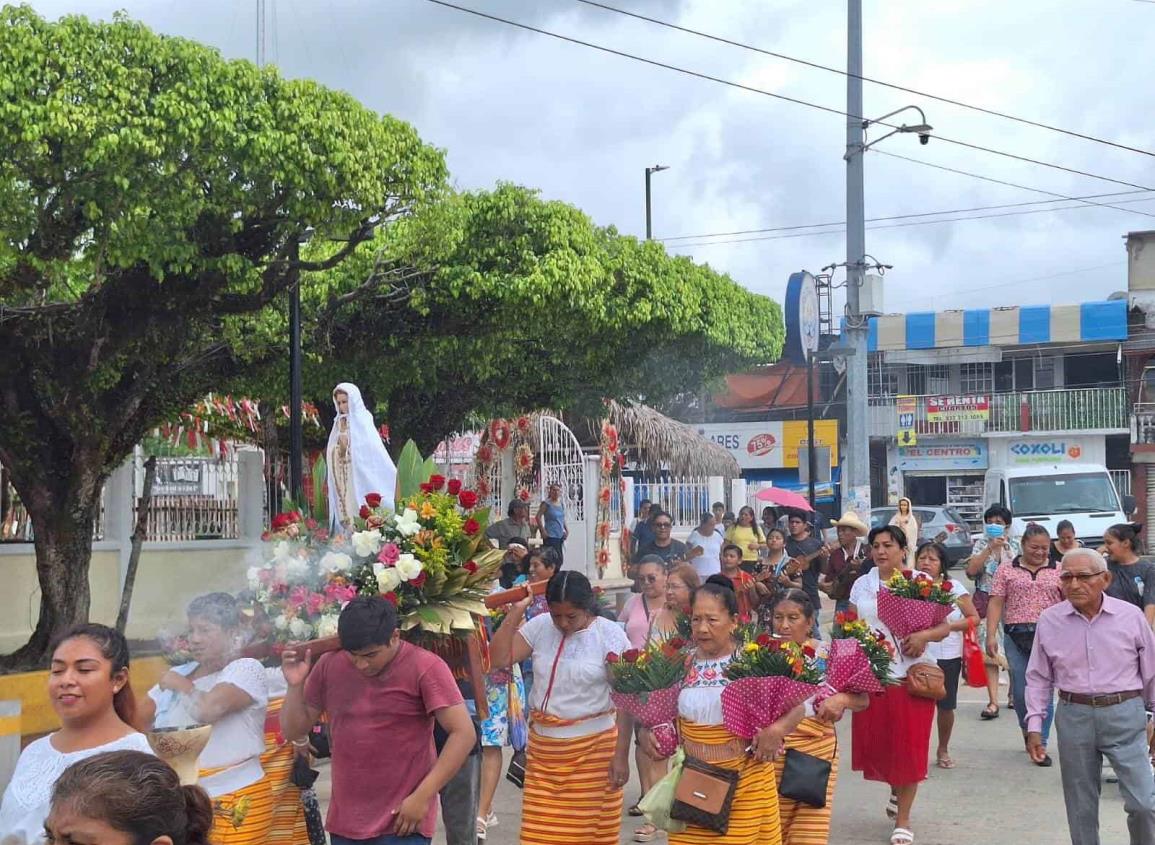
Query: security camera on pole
column 856, row 484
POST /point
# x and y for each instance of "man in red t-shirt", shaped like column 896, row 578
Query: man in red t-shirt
column 382, row 696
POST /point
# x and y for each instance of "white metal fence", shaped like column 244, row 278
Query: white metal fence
column 685, row 501
column 1122, row 480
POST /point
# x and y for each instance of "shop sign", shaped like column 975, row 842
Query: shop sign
column 178, row 479
column 1059, row 451
column 770, row 445
column 961, row 456
column 906, row 406
column 957, row 408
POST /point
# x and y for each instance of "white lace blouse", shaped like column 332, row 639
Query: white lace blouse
column 29, row 794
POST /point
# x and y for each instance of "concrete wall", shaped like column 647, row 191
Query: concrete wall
column 170, row 575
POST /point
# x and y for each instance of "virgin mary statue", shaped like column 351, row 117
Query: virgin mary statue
column 358, row 463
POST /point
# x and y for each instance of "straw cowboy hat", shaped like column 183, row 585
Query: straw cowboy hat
column 850, row 520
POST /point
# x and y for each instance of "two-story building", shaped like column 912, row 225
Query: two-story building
column 955, row 393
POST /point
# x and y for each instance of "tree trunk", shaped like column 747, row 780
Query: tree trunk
column 138, row 537
column 63, row 542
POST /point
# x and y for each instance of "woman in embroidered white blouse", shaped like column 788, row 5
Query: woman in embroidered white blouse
column 232, row 695
column 89, row 690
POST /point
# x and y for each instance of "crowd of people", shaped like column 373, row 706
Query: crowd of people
column 1065, row 621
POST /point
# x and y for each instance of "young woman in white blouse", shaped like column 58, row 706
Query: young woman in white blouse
column 231, row 694
column 577, row 760
column 89, row 690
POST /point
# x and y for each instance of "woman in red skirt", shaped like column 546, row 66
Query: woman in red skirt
column 891, row 738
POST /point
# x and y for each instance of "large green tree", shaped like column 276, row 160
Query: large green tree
column 493, row 302
column 152, row 196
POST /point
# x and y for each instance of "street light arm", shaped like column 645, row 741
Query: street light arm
column 921, row 114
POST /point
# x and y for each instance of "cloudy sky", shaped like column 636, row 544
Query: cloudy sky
column 581, row 125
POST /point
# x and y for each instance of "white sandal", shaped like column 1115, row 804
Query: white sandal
column 892, row 807
column 482, row 829
column 901, row 836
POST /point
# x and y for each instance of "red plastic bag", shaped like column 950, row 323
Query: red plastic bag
column 974, row 664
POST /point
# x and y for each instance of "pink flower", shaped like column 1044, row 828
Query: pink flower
column 298, row 597
column 389, row 554
column 314, row 603
column 340, row 593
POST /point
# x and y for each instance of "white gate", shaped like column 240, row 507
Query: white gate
column 562, row 462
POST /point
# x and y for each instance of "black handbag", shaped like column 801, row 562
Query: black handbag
column 1023, row 636
column 805, row 777
column 704, row 795
column 515, row 774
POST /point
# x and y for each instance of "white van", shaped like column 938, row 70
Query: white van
column 1047, row 494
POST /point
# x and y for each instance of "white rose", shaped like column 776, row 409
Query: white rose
column 407, row 522
column 388, row 579
column 281, row 552
column 254, row 576
column 408, row 567
column 281, row 622
column 296, row 569
column 299, row 629
column 327, row 625
column 366, row 543
column 335, row 562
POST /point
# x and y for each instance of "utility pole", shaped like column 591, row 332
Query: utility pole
column 296, row 432
column 260, row 33
column 856, row 482
column 650, row 171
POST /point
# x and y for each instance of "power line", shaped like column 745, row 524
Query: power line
column 891, row 85
column 901, row 216
column 753, row 90
column 906, row 225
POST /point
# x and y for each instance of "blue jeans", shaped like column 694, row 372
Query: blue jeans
column 1017, row 661
column 385, row 839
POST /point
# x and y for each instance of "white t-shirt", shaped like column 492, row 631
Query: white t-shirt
column 29, row 794
column 864, row 597
column 952, row 646
column 710, row 561
column 238, row 739
column 581, row 686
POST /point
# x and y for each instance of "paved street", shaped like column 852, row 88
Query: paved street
column 994, row 794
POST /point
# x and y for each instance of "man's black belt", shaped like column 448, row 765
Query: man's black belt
column 1099, row 699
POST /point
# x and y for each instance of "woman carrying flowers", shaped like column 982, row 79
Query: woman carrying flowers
column 577, row 760
column 793, row 620
column 891, row 738
column 753, row 816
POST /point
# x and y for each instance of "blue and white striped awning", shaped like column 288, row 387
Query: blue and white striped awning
column 1089, row 322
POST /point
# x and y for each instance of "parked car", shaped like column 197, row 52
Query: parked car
column 931, row 523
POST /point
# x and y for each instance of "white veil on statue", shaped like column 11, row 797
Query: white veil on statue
column 364, row 468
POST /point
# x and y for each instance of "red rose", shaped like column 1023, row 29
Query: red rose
column 437, row 481
column 322, row 536
column 454, row 486
column 419, row 581
column 907, row 574
column 840, row 618
column 947, row 585
column 391, row 598
column 808, row 650
column 365, row 513
column 311, row 524
column 467, row 499
column 373, row 500
column 425, row 487
column 677, row 643
column 472, row 526
column 470, row 566
column 763, row 640
column 612, row 657
column 631, row 656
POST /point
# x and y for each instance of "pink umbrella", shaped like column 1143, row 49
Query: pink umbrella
column 784, row 498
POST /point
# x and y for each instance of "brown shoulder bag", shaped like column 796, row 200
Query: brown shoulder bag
column 926, row 680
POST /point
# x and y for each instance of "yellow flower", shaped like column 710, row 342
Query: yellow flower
column 750, row 648
column 428, row 511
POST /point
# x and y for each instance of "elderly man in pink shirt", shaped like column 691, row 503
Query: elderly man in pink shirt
column 1099, row 653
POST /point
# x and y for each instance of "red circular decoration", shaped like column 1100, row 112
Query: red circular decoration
column 499, row 433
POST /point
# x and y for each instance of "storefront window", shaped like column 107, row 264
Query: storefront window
column 975, row 379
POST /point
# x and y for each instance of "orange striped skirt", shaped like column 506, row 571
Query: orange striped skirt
column 801, row 823
column 243, row 817
column 568, row 797
column 288, row 824
column 754, row 813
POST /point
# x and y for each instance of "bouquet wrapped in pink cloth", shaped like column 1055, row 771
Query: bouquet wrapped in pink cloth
column 905, row 616
column 848, row 668
column 753, row 703
column 656, row 710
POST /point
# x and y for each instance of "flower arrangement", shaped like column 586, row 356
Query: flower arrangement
column 874, row 647
column 912, row 601
column 768, row 678
column 646, row 682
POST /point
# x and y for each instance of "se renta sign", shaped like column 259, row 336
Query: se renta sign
column 957, row 408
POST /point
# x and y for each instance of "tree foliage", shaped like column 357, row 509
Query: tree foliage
column 152, row 197
column 514, row 302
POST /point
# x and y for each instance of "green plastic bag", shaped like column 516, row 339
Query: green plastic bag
column 656, row 803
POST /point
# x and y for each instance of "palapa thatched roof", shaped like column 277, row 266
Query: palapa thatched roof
column 659, row 443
